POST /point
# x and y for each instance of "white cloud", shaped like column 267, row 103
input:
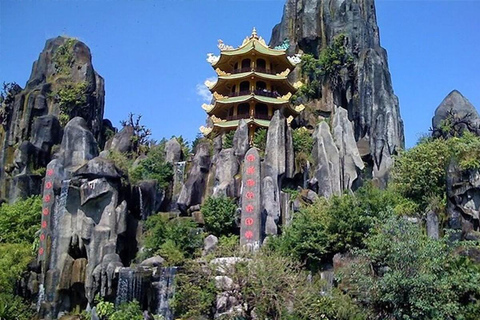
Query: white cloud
column 203, row 91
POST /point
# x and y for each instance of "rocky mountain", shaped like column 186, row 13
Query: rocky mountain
column 363, row 87
column 63, row 84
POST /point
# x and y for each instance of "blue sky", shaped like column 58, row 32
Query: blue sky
column 152, row 53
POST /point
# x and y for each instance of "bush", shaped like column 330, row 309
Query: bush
column 219, row 214
column 173, row 239
column 14, row 308
column 420, row 172
column 20, row 221
column 125, row 311
column 195, row 293
column 155, row 167
column 403, row 274
column 334, row 225
column 260, row 139
column 227, row 140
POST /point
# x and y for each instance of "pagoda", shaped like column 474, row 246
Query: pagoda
column 252, row 84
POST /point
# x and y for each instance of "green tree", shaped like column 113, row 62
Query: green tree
column 219, row 214
column 20, row 221
column 153, row 166
column 173, row 239
column 338, row 224
column 403, row 274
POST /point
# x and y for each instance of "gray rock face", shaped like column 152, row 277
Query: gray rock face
column 148, row 197
column 194, row 188
column 210, row 244
column 433, row 225
column 271, row 205
column 275, row 156
column 31, row 113
column 226, row 167
column 99, row 167
column 78, row 144
column 326, row 160
column 173, row 151
column 350, row 161
column 366, row 89
column 457, row 109
column 240, row 139
column 463, row 201
column 45, row 132
column 122, row 141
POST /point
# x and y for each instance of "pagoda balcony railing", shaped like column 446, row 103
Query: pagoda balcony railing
column 250, row 69
column 259, row 92
column 247, row 116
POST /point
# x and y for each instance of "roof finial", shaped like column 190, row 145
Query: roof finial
column 254, row 33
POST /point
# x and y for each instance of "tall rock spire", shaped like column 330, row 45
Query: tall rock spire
column 364, row 88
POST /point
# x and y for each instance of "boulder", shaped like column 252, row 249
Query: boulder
column 240, row 139
column 155, row 261
column 193, row 190
column 463, row 201
column 210, row 244
column 271, row 205
column 78, row 144
column 350, row 161
column 45, row 132
column 173, row 151
column 275, row 156
column 226, row 168
column 122, row 141
column 326, row 160
column 99, row 168
column 459, row 112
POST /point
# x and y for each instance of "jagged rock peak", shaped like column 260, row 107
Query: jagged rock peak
column 457, row 106
column 363, row 87
column 310, row 25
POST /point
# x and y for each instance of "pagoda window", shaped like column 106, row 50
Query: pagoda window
column 246, row 65
column 261, row 111
column 244, row 88
column 236, row 66
column 261, row 65
column 260, row 85
column 234, row 88
column 230, row 113
column 243, row 110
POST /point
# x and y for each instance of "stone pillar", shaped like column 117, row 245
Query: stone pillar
column 251, row 221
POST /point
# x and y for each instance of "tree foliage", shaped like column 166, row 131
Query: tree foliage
column 338, row 224
column 141, row 134
column 219, row 214
column 153, row 166
column 173, row 239
column 403, row 274
column 20, row 221
column 420, row 173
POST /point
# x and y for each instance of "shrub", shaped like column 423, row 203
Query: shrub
column 260, row 139
column 153, row 166
column 125, row 311
column 174, row 239
column 20, row 221
column 420, row 172
column 403, row 274
column 335, row 225
column 63, row 58
column 227, row 141
column 219, row 214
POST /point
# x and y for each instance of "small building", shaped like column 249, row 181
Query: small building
column 252, row 84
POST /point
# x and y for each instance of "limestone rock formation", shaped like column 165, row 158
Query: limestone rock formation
column 226, row 168
column 240, row 139
column 363, row 88
column 63, row 70
column 463, row 201
column 454, row 115
column 194, row 188
column 173, row 151
column 326, row 160
column 350, row 161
